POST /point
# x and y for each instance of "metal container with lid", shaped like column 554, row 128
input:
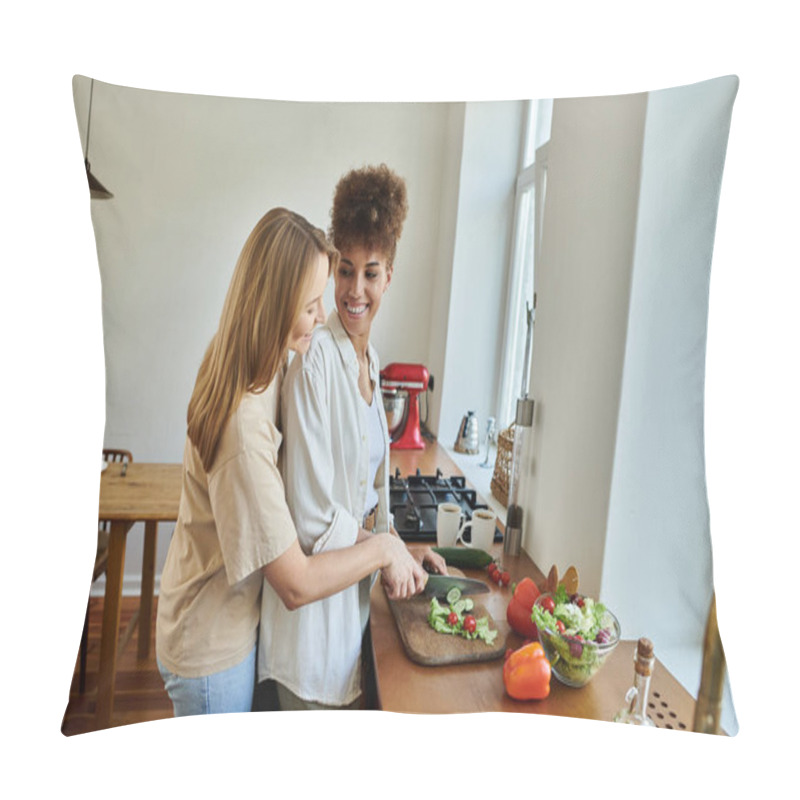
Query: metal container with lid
column 512, row 540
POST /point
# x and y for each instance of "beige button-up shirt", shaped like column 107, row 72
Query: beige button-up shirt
column 231, row 522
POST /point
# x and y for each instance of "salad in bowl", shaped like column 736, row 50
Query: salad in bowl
column 577, row 634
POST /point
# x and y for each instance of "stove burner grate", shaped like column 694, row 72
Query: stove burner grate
column 414, row 500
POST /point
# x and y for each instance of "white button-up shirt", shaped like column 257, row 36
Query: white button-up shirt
column 315, row 650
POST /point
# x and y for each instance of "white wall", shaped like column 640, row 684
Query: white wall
column 658, row 560
column 192, row 174
column 440, row 282
column 475, row 326
column 615, row 470
column 582, row 290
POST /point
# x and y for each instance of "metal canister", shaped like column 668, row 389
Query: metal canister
column 512, row 541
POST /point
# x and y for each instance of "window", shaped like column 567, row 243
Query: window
column 521, row 293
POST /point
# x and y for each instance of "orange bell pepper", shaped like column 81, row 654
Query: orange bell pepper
column 526, row 673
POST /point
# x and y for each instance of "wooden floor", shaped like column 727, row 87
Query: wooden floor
column 139, row 695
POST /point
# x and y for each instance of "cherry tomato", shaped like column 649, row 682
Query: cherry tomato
column 560, row 625
column 469, row 623
column 548, row 604
column 505, row 578
column 452, row 618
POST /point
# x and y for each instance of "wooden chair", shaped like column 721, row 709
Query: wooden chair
column 101, row 559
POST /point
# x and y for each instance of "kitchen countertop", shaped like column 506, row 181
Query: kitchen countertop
column 405, row 686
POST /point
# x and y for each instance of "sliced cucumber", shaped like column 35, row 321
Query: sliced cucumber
column 453, row 595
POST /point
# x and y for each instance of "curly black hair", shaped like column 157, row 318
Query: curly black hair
column 369, row 208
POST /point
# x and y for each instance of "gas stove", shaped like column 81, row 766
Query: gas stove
column 413, row 502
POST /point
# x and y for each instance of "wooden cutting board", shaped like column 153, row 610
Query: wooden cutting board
column 426, row 646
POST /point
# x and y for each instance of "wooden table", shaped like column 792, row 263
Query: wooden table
column 148, row 493
column 403, row 685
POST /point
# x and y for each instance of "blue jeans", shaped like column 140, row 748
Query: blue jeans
column 225, row 692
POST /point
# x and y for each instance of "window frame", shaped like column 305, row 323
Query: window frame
column 531, row 178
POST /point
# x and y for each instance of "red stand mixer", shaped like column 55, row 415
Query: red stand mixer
column 401, row 385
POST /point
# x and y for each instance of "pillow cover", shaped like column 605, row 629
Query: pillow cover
column 628, row 187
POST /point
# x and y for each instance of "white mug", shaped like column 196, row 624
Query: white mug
column 450, row 526
column 483, row 525
column 449, row 517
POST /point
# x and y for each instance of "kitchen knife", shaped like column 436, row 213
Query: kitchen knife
column 440, row 585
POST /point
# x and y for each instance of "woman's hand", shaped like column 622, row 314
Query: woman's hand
column 434, row 562
column 403, row 576
column 425, row 556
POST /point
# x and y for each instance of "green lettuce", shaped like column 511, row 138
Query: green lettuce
column 438, row 614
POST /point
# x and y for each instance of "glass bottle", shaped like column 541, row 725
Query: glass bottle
column 634, row 712
column 524, row 420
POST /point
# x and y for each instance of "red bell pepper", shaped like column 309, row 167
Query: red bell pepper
column 526, row 673
column 520, row 608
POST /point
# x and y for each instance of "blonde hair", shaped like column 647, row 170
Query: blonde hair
column 263, row 304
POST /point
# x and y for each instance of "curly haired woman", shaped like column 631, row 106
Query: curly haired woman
column 337, row 453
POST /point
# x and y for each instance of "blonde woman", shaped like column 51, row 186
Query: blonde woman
column 337, row 453
column 234, row 528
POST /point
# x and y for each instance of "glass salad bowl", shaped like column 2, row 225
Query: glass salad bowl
column 577, row 635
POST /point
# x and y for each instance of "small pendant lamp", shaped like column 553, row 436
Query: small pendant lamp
column 96, row 189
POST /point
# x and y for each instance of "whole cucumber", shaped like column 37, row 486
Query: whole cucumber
column 467, row 557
